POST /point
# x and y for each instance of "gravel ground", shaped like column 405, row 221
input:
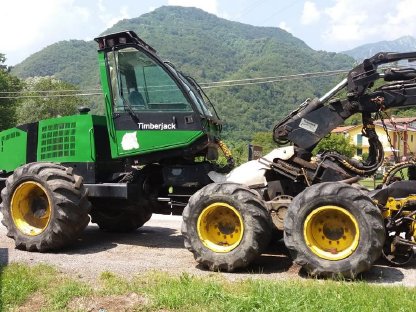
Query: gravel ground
column 158, row 246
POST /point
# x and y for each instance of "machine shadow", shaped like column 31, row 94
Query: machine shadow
column 380, row 273
column 275, row 259
column 4, row 257
column 94, row 240
column 383, row 272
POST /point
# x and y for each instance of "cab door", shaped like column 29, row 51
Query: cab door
column 151, row 109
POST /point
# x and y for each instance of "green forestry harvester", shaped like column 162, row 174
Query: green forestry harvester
column 154, row 147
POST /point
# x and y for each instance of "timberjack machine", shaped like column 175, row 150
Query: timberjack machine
column 151, row 151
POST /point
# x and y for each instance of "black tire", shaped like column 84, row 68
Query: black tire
column 45, row 206
column 248, row 210
column 119, row 215
column 123, row 216
column 346, row 219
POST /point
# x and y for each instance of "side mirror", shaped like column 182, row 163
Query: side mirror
column 83, row 110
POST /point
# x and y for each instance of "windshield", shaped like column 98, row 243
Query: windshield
column 141, row 84
column 192, row 91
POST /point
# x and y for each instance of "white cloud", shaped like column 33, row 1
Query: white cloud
column 122, row 14
column 285, row 26
column 401, row 20
column 354, row 22
column 109, row 17
column 29, row 26
column 210, row 6
column 36, row 24
column 310, row 13
column 101, row 6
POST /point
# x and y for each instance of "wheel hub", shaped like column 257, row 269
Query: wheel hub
column 220, row 227
column 331, row 232
column 30, row 208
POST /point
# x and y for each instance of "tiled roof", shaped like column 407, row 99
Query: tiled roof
column 344, row 129
column 397, row 126
column 403, row 119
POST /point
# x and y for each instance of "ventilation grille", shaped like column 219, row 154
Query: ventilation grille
column 8, row 137
column 58, row 140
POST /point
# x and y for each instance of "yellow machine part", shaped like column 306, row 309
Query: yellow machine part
column 220, row 227
column 331, row 232
column 395, row 204
column 30, row 208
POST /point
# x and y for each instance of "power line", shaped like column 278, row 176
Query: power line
column 49, row 91
column 204, row 85
column 48, row 96
column 340, row 71
column 268, row 81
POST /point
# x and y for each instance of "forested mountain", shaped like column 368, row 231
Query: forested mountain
column 403, row 44
column 210, row 49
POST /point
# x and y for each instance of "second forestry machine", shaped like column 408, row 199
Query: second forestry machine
column 332, row 226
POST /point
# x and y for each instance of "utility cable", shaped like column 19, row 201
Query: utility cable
column 48, row 96
column 205, row 85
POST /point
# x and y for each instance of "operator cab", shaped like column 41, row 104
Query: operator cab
column 148, row 96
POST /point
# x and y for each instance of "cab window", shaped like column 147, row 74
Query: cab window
column 142, row 84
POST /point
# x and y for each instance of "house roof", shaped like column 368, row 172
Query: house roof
column 403, row 120
column 399, row 124
column 344, row 129
column 396, row 126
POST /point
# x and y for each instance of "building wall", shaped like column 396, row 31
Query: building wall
column 362, row 145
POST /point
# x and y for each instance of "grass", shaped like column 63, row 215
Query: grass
column 370, row 183
column 67, row 290
column 18, row 281
column 189, row 293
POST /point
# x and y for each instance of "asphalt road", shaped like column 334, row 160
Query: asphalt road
column 158, row 246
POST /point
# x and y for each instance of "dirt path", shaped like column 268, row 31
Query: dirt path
column 159, row 246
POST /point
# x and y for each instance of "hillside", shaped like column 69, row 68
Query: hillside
column 403, row 44
column 209, row 49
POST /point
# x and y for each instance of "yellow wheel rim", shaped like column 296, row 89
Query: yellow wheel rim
column 30, row 208
column 331, row 232
column 220, row 227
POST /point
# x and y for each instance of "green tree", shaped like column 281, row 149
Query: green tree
column 50, row 98
column 8, row 86
column 265, row 140
column 336, row 142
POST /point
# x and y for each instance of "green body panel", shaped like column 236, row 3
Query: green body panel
column 141, row 142
column 68, row 139
column 12, row 149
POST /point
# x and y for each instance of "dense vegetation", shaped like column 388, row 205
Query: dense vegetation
column 9, row 85
column 38, row 104
column 209, row 49
column 24, row 101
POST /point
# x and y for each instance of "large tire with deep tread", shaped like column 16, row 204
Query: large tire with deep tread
column 123, row 215
column 45, row 206
column 120, row 216
column 247, row 207
column 344, row 208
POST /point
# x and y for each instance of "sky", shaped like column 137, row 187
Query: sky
column 27, row 26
